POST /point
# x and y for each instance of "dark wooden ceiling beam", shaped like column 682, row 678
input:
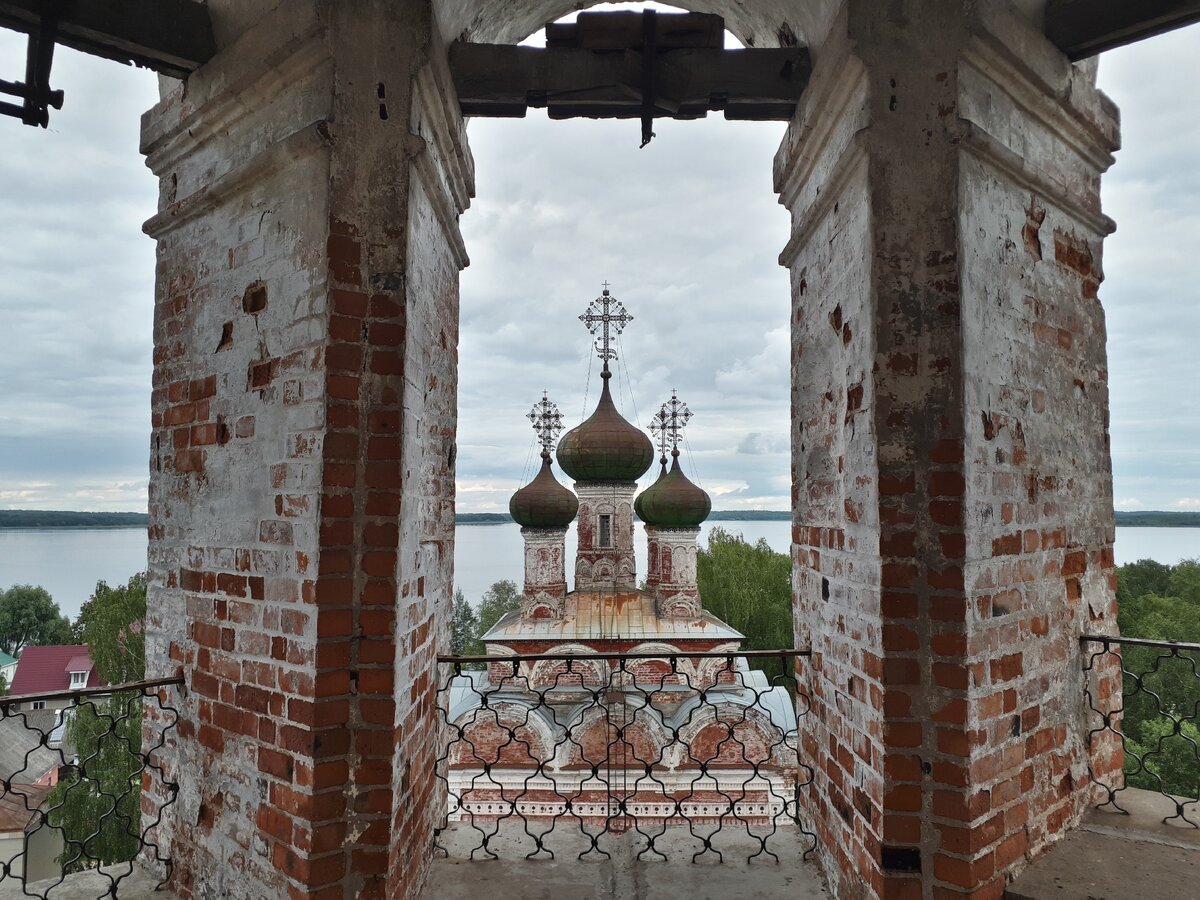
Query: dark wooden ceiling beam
column 503, row 80
column 1083, row 28
column 172, row 37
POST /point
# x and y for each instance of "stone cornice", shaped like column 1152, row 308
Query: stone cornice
column 277, row 156
column 1033, row 178
column 211, row 103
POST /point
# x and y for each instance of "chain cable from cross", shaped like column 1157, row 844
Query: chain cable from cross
column 547, row 422
column 604, row 319
column 668, row 424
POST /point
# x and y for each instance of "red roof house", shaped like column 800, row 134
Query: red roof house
column 43, row 669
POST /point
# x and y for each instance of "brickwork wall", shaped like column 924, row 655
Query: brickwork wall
column 1039, row 565
column 927, row 358
column 238, row 414
column 821, row 175
column 303, row 456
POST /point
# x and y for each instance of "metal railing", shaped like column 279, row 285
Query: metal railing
column 73, row 766
column 1153, row 714
column 675, row 751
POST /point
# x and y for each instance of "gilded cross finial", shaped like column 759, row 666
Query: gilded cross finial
column 547, row 422
column 605, row 319
column 668, row 424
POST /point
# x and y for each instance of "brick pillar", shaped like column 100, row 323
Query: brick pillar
column 302, row 481
column 951, row 482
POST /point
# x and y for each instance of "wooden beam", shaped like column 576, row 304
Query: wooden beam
column 623, row 31
column 172, row 37
column 503, row 80
column 1083, row 28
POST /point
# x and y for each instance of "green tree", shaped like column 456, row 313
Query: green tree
column 101, row 795
column 110, row 623
column 749, row 586
column 97, row 803
column 1162, row 603
column 1159, row 758
column 501, row 598
column 465, row 628
column 30, row 617
column 1140, row 578
column 498, row 600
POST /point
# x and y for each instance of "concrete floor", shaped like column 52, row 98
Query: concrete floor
column 1113, row 856
column 623, row 877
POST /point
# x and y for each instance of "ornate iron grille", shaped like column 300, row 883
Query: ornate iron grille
column 662, row 748
column 72, row 784
column 1152, row 712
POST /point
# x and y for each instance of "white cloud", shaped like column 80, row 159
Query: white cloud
column 1128, row 503
column 1187, row 503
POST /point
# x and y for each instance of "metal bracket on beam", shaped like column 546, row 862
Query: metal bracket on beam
column 649, row 88
column 34, row 91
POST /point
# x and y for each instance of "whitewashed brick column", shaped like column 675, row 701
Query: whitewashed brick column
column 302, row 466
column 951, row 471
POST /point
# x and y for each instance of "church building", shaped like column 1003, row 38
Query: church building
column 664, row 738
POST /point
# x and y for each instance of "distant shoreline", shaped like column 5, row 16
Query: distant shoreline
column 58, row 518
column 67, row 519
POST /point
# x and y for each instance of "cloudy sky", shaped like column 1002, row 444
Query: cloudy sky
column 686, row 230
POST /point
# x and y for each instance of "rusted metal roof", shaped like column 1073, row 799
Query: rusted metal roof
column 590, row 616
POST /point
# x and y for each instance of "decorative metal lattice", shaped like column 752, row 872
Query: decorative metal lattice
column 668, row 423
column 1152, row 711
column 73, row 777
column 547, row 422
column 679, row 752
column 605, row 319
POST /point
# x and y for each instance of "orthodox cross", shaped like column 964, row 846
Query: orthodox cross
column 547, row 422
column 669, row 422
column 604, row 319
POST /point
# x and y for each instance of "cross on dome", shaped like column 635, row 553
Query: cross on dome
column 669, row 422
column 605, row 319
column 547, row 422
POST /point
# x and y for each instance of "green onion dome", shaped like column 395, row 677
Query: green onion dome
column 673, row 501
column 637, row 503
column 605, row 447
column 543, row 503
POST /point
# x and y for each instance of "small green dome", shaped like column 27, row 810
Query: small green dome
column 543, row 503
column 673, row 501
column 605, row 447
column 637, row 503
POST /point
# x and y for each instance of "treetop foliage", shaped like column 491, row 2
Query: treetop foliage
column 749, row 587
column 30, row 617
column 111, row 624
column 1161, row 602
column 469, row 626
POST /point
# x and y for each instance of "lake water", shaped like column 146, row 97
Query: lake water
column 68, row 561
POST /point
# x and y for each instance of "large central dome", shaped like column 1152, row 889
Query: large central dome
column 605, row 447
